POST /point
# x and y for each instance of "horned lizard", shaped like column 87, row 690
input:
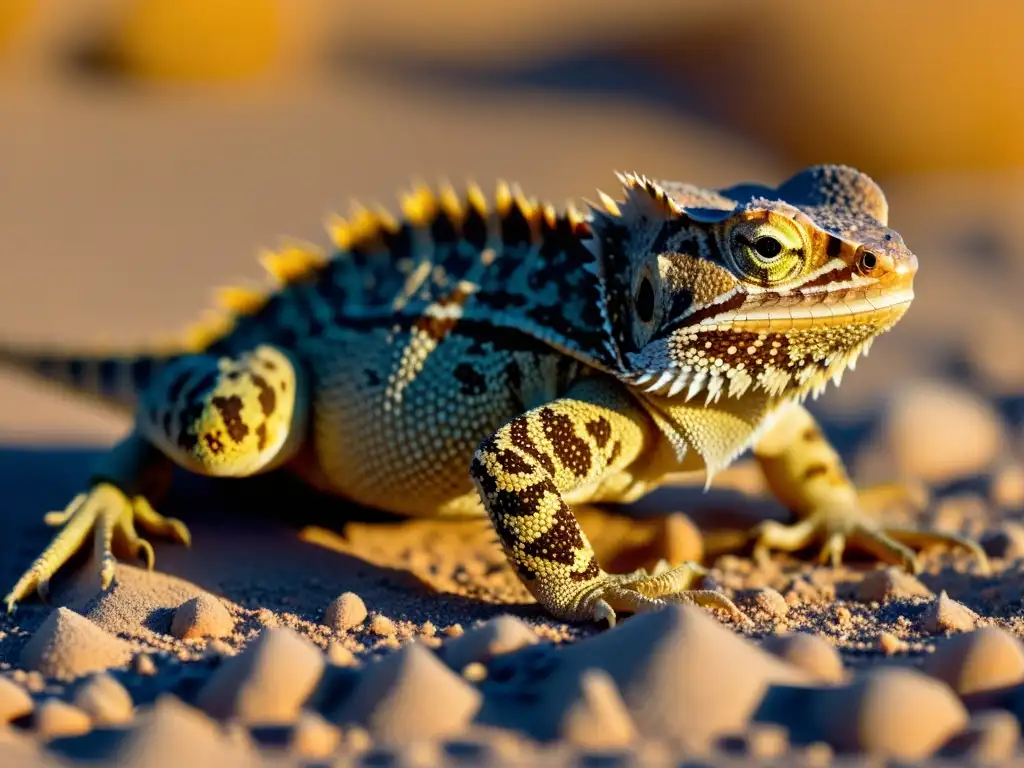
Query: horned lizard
column 512, row 360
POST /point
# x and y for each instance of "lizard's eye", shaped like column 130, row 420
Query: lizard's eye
column 765, row 251
column 768, row 247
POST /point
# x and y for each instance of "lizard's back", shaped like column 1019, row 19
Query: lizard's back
column 422, row 337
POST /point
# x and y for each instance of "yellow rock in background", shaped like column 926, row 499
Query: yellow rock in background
column 13, row 15
column 198, row 39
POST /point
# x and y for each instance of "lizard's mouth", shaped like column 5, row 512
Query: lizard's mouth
column 882, row 309
column 780, row 350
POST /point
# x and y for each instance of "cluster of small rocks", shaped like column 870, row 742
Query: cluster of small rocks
column 675, row 682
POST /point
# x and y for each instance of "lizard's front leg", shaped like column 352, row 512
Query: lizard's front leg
column 229, row 417
column 568, row 445
column 807, row 475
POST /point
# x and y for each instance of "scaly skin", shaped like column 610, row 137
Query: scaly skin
column 513, row 361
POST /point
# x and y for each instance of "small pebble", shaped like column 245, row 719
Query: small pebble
column 1006, row 541
column 67, row 645
column 500, row 635
column 268, row 682
column 890, row 644
column 985, row 660
column 409, row 695
column 992, row 737
column 475, row 672
column 340, row 656
column 313, row 737
column 946, row 615
column 345, row 612
column 1007, row 488
column 14, row 701
column 105, row 700
column 54, row 719
column 382, row 626
column 454, row 630
column 894, row 712
column 939, row 432
column 202, row 616
column 811, row 653
column 598, row 719
column 890, row 583
column 763, row 741
column 143, row 664
column 766, row 604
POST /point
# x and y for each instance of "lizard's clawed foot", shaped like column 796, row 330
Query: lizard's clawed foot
column 648, row 591
column 110, row 515
column 845, row 525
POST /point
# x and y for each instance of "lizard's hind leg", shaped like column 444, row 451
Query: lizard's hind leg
column 228, row 417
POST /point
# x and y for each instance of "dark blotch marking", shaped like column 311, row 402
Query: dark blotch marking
column 233, row 375
column 214, row 443
column 512, row 463
column 230, row 409
column 482, row 476
column 833, row 246
column 520, row 438
column 471, row 381
column 810, row 435
column 267, row 397
column 261, row 436
column 592, row 571
column 613, row 454
column 569, row 448
column 601, row 430
column 269, row 365
column 561, row 541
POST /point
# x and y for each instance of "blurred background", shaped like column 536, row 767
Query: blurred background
column 148, row 148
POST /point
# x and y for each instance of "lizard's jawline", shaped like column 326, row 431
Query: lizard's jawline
column 840, row 311
column 686, row 383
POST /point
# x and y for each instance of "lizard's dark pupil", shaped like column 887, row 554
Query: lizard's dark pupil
column 645, row 301
column 768, row 247
column 868, row 260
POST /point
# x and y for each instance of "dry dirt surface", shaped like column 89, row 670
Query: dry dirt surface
column 297, row 630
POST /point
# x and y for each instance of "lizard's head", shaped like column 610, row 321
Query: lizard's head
column 720, row 293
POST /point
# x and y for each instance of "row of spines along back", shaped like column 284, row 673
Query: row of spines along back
column 369, row 240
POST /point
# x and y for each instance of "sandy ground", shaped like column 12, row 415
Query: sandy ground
column 293, row 631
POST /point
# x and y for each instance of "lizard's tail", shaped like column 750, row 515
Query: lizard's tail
column 114, row 379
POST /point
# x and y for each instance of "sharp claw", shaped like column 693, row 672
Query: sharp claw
column 108, row 565
column 147, row 553
column 181, row 532
column 604, row 612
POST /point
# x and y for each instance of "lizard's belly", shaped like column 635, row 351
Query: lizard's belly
column 396, row 418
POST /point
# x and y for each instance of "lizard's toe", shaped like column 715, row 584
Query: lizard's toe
column 109, row 516
column 839, row 528
column 639, row 591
